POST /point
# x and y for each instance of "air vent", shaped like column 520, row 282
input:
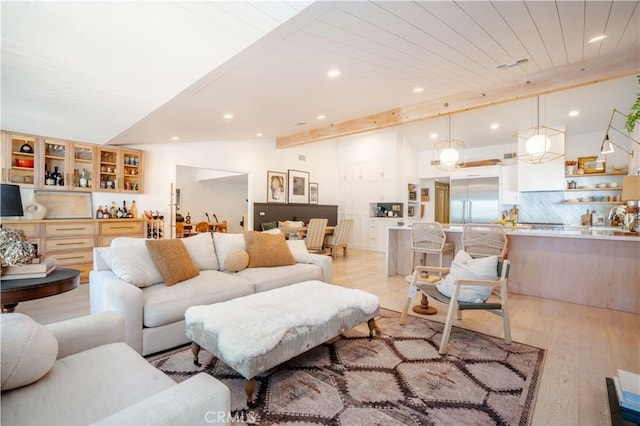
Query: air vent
column 509, row 155
column 302, row 157
column 435, row 162
column 513, row 64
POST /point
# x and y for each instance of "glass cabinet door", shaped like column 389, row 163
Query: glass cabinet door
column 108, row 169
column 83, row 167
column 132, row 171
column 20, row 152
column 55, row 173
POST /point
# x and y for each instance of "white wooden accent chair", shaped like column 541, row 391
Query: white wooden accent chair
column 420, row 281
column 314, row 240
column 341, row 237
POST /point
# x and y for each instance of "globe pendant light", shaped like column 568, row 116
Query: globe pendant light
column 448, row 152
column 538, row 142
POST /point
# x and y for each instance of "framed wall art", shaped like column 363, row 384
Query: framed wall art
column 313, row 193
column 591, row 165
column 298, row 187
column 66, row 205
column 276, row 187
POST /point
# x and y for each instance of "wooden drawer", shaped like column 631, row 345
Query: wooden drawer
column 31, row 230
column 59, row 244
column 70, row 229
column 124, row 227
column 72, row 258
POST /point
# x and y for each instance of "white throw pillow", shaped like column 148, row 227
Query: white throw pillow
column 299, row 251
column 466, row 267
column 273, row 231
column 132, row 263
column 291, row 224
column 28, row 350
column 224, row 243
column 201, row 251
column 127, row 241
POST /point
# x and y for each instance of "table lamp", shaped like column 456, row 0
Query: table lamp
column 11, row 201
column 631, row 192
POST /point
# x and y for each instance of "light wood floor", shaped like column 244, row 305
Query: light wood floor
column 584, row 344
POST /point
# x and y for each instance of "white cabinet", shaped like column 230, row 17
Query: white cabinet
column 378, row 229
column 509, row 185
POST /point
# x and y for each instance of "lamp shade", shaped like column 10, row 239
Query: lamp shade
column 11, row 201
column 538, row 144
column 449, row 156
column 631, row 188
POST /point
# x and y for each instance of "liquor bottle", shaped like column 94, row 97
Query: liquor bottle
column 105, row 213
column 99, row 214
column 124, row 208
column 113, row 210
column 133, row 210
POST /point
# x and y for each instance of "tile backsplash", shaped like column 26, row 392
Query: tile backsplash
column 548, row 207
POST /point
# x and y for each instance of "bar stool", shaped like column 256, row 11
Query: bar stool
column 428, row 238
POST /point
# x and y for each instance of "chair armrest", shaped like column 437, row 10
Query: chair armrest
column 325, row 263
column 109, row 293
column 437, row 269
column 86, row 332
column 465, row 281
column 200, row 400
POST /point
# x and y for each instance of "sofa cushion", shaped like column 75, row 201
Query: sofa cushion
column 165, row 305
column 28, row 350
column 291, row 224
column 267, row 249
column 224, row 243
column 299, row 251
column 202, row 251
column 237, row 260
column 85, row 387
column 132, row 263
column 172, row 260
column 279, row 276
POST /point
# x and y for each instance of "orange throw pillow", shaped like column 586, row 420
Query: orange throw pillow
column 172, row 260
column 267, row 249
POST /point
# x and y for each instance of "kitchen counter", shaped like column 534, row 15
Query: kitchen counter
column 594, row 266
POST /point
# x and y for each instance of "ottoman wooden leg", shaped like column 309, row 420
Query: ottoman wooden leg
column 373, row 328
column 250, row 388
column 195, row 349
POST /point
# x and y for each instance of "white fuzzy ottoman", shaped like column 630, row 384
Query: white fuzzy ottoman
column 254, row 333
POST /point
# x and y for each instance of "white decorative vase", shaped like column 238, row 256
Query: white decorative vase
column 33, row 209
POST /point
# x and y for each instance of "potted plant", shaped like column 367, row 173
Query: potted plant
column 634, row 115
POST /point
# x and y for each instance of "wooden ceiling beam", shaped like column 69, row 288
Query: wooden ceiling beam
column 549, row 81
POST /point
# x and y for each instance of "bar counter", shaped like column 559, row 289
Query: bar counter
column 592, row 266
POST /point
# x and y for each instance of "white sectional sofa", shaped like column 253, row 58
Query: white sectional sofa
column 80, row 372
column 125, row 280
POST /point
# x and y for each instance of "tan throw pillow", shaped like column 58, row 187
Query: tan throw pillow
column 267, row 249
column 237, row 260
column 172, row 260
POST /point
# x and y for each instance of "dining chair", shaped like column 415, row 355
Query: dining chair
column 429, row 238
column 179, row 230
column 314, row 240
column 340, row 238
column 202, row 227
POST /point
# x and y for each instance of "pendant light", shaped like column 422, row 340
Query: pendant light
column 450, row 152
column 538, row 142
column 607, row 144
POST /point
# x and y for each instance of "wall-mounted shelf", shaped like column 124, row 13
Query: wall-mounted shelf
column 617, row 188
column 585, row 175
column 591, row 202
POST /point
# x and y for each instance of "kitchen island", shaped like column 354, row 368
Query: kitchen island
column 592, row 266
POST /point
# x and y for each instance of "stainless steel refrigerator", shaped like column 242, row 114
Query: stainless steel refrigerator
column 475, row 200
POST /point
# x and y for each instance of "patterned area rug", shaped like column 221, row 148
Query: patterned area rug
column 396, row 379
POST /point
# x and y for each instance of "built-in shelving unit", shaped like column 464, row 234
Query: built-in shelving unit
column 589, row 184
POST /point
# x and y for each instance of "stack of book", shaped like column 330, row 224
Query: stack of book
column 29, row 270
column 628, row 391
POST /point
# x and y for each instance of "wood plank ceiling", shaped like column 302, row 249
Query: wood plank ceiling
column 276, row 82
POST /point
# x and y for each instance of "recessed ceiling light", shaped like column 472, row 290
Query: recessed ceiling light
column 433, row 135
column 228, row 116
column 175, row 138
column 334, row 73
column 258, row 134
column 598, row 38
column 573, row 113
column 418, row 90
column 495, row 126
column 321, row 117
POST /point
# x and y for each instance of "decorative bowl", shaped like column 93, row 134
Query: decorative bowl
column 601, row 185
column 613, row 184
column 24, row 163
